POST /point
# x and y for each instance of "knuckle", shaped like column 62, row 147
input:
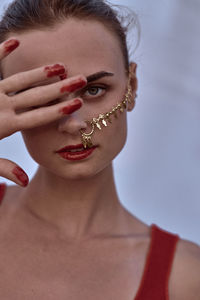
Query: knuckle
column 11, row 102
column 19, row 78
column 35, row 93
column 39, row 95
column 17, row 124
column 1, row 85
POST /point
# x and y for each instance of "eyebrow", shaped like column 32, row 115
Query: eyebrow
column 98, row 75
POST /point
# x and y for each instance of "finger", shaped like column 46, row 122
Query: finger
column 8, row 46
column 13, row 172
column 45, row 115
column 43, row 94
column 25, row 79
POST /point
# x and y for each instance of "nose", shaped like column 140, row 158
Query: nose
column 71, row 124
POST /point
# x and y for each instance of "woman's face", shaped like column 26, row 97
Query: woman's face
column 85, row 47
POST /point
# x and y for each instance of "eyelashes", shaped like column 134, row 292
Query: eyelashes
column 92, row 91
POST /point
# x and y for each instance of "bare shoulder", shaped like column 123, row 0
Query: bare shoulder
column 11, row 192
column 10, row 199
column 185, row 276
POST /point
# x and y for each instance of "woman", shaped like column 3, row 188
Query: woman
column 65, row 235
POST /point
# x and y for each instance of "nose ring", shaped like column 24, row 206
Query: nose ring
column 86, row 137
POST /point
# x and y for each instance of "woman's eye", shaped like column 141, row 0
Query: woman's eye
column 94, row 91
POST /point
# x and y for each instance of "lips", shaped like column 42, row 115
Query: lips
column 75, row 152
column 71, row 147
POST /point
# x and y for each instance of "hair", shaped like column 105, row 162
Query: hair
column 25, row 15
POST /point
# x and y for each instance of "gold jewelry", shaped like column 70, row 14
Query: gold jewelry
column 103, row 119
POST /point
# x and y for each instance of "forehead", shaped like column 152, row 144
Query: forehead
column 83, row 46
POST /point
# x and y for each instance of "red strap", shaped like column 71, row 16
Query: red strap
column 2, row 191
column 155, row 280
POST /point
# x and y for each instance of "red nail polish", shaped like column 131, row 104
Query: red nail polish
column 73, row 87
column 2, row 191
column 55, row 70
column 71, row 108
column 11, row 45
column 64, row 76
column 21, row 175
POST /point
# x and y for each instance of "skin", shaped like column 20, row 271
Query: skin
column 71, row 211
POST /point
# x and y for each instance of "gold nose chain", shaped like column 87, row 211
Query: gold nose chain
column 105, row 118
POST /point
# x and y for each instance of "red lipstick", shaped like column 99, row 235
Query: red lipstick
column 75, row 152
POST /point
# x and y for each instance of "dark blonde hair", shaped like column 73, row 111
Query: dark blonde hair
column 24, row 15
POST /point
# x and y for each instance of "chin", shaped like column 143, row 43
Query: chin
column 75, row 171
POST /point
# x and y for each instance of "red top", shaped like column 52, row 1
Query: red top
column 155, row 279
column 2, row 191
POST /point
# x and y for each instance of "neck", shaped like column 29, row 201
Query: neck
column 79, row 208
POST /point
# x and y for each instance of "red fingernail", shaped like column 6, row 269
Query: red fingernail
column 73, row 87
column 64, row 76
column 2, row 191
column 55, row 70
column 71, row 108
column 11, row 45
column 21, row 175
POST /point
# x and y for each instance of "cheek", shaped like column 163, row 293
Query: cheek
column 116, row 136
column 119, row 135
column 36, row 143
